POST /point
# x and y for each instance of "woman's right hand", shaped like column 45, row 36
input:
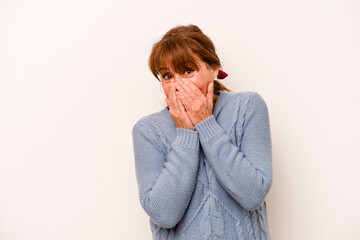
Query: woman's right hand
column 177, row 110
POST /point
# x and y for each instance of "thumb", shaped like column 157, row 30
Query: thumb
column 210, row 92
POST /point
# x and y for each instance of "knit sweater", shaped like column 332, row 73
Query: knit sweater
column 210, row 182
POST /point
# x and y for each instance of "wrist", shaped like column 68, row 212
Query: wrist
column 203, row 119
column 188, row 127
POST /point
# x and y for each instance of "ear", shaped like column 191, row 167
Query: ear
column 216, row 72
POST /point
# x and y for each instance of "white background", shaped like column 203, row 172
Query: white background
column 74, row 80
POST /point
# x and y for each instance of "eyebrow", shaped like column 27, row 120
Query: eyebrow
column 163, row 68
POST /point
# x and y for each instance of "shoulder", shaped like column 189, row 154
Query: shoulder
column 147, row 130
column 245, row 106
column 246, row 95
column 245, row 99
column 253, row 108
column 147, row 123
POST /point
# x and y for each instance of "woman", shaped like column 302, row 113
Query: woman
column 203, row 163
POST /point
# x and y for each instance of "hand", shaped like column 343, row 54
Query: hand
column 177, row 110
column 197, row 106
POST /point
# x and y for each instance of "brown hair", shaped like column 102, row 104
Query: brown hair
column 183, row 47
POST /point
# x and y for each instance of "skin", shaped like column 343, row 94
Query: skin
column 189, row 96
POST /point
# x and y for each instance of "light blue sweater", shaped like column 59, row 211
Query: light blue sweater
column 209, row 183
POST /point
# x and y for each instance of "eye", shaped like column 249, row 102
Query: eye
column 189, row 71
column 166, row 76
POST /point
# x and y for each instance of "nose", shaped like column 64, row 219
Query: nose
column 176, row 77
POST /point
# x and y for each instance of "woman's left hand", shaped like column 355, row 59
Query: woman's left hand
column 197, row 106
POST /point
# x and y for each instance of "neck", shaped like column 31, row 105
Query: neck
column 215, row 98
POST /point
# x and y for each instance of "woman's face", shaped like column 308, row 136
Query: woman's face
column 200, row 78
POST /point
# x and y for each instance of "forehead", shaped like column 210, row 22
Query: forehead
column 176, row 59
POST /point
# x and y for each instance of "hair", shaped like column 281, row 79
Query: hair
column 183, row 47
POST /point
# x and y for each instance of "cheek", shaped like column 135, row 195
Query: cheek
column 166, row 89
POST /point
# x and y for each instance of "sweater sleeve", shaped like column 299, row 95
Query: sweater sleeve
column 166, row 181
column 245, row 172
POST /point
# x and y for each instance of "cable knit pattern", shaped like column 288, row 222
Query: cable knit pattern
column 255, row 225
column 209, row 183
column 206, row 221
column 217, row 220
column 240, row 234
column 249, row 227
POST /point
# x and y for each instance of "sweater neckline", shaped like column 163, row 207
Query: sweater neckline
column 223, row 97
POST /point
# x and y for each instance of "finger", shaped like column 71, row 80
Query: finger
column 184, row 100
column 177, row 102
column 192, row 89
column 210, row 97
column 181, row 107
column 172, row 99
column 186, row 93
column 210, row 92
column 184, row 113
